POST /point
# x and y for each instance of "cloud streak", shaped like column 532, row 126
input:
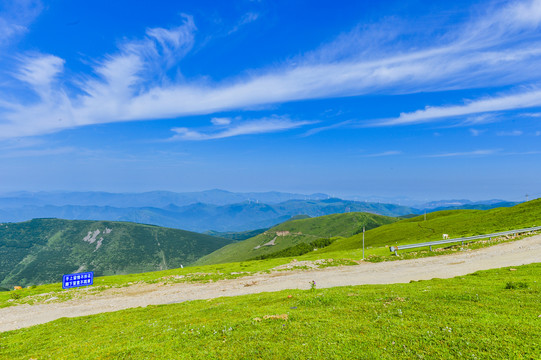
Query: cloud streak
column 465, row 154
column 385, row 153
column 481, row 153
column 37, row 152
column 510, row 133
column 40, row 72
column 259, row 126
column 15, row 17
column 246, row 19
column 523, row 100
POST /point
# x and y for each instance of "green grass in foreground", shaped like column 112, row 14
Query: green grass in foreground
column 488, row 314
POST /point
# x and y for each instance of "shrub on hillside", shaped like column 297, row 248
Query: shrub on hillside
column 299, row 249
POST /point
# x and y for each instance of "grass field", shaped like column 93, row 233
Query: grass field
column 491, row 314
column 455, row 223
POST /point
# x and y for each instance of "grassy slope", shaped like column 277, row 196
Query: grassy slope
column 456, row 223
column 313, row 228
column 338, row 206
column 471, row 317
column 236, row 235
column 42, row 250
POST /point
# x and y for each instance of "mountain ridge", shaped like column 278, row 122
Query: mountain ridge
column 204, row 217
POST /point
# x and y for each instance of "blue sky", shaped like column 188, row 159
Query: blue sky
column 423, row 99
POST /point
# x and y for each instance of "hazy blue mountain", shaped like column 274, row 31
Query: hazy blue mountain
column 441, row 204
column 146, row 199
column 200, row 217
column 216, row 210
column 476, row 206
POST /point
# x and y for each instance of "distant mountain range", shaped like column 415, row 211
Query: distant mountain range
column 212, row 210
column 157, row 199
column 466, row 204
column 203, row 217
column 42, row 250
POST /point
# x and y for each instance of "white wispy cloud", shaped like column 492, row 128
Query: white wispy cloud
column 510, row 133
column 259, row 126
column 531, row 115
column 501, row 47
column 328, row 127
column 475, row 132
column 246, row 19
column 525, row 99
column 36, row 152
column 466, row 153
column 385, row 153
column 173, row 43
column 16, row 16
column 220, row 121
column 523, row 153
column 107, row 96
column 479, row 119
column 40, row 72
column 9, row 30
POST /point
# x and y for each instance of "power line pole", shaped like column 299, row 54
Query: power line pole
column 526, row 197
column 363, row 242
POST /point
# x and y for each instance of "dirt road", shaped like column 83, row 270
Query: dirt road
column 516, row 253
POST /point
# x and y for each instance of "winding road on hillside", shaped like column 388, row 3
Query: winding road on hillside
column 525, row 251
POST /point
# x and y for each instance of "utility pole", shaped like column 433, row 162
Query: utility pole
column 425, row 215
column 526, row 197
column 363, row 242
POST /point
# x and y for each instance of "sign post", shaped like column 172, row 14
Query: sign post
column 76, row 280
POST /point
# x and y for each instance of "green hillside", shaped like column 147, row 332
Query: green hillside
column 236, row 235
column 293, row 232
column 456, row 223
column 42, row 250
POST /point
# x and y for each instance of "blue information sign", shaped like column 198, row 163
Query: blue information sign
column 76, row 280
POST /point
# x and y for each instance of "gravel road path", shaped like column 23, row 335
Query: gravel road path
column 525, row 251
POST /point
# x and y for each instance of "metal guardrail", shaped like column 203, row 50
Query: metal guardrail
column 450, row 241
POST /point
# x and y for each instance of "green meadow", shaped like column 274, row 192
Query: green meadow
column 493, row 314
column 296, row 232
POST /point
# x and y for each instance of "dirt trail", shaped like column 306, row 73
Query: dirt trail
column 525, row 251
